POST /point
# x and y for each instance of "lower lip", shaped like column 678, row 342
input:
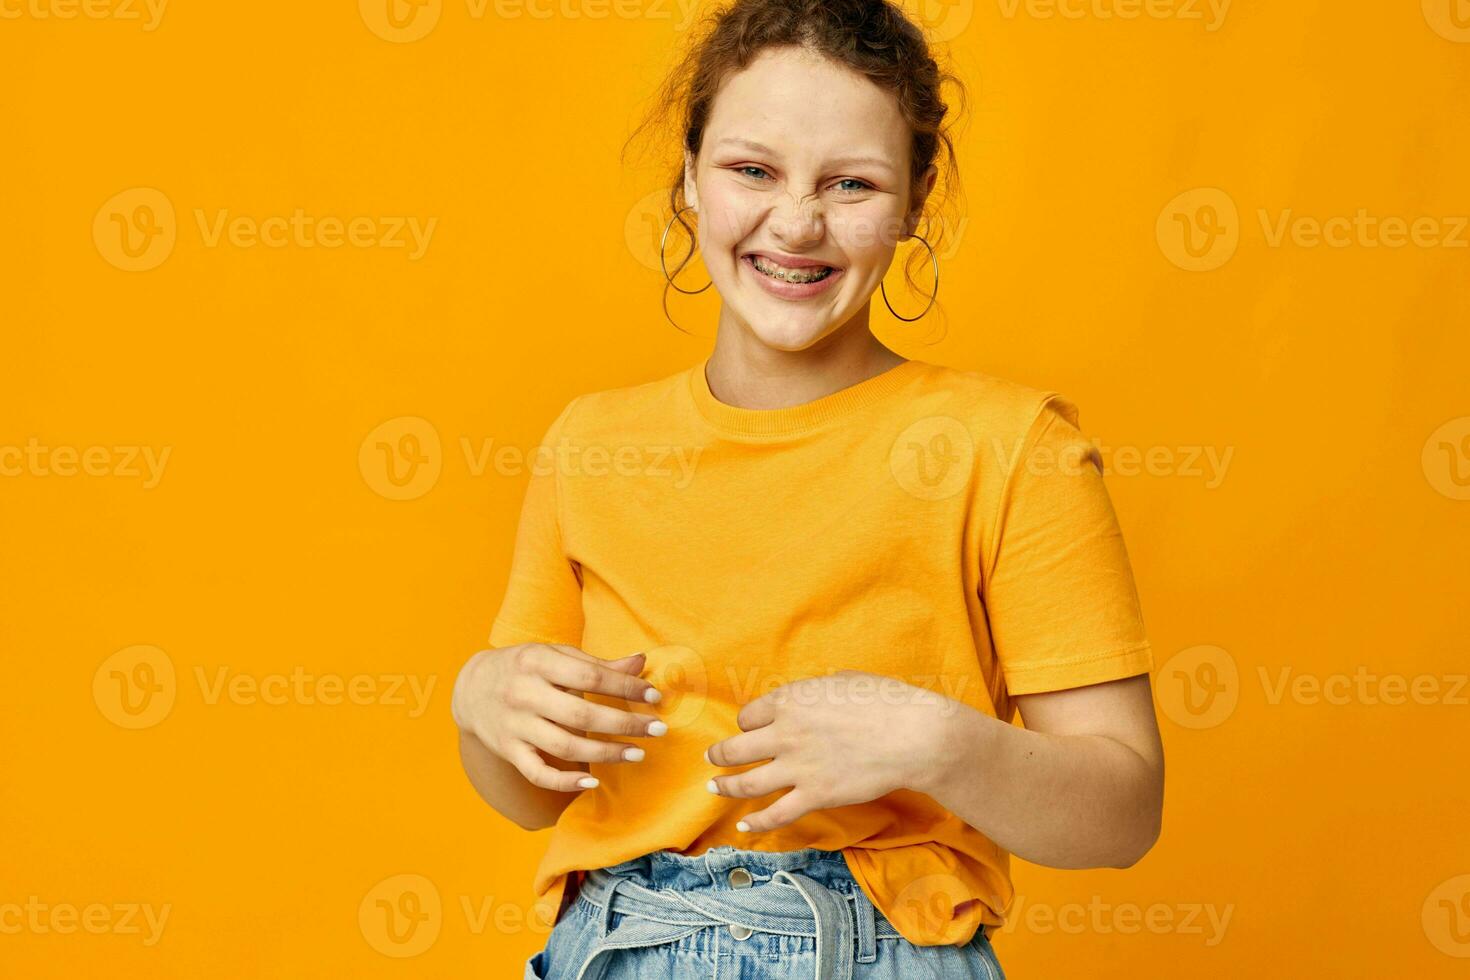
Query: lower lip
column 790, row 290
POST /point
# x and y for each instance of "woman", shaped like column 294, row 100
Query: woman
column 769, row 618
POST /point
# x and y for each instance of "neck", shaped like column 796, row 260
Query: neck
column 746, row 373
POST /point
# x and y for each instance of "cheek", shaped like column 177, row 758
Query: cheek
column 725, row 220
column 867, row 236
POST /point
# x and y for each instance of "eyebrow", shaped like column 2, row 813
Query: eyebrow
column 763, row 148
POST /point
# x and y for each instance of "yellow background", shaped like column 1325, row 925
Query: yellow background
column 274, row 541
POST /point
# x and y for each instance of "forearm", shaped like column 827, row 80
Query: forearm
column 501, row 785
column 1065, row 801
column 497, row 780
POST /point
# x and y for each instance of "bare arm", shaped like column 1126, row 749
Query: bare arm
column 1080, row 787
column 1083, row 787
column 501, row 785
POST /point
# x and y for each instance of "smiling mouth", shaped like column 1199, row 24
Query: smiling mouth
column 766, row 267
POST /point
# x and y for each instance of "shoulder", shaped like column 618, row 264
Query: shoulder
column 991, row 405
column 617, row 412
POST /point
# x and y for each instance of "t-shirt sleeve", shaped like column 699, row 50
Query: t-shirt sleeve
column 1058, row 588
column 543, row 596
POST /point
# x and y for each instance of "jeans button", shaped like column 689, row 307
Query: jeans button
column 740, row 878
column 740, row 932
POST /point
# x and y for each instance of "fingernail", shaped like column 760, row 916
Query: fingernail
column 742, row 826
column 657, row 728
column 707, row 758
column 587, row 782
column 652, row 696
column 713, row 787
column 632, row 754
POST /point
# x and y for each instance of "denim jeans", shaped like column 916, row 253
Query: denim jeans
column 740, row 915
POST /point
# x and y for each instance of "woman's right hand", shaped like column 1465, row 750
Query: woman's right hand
column 528, row 697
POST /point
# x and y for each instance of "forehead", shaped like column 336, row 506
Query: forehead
column 807, row 107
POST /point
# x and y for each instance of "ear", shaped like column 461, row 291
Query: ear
column 921, row 194
column 691, row 186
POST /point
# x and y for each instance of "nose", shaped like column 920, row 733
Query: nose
column 798, row 220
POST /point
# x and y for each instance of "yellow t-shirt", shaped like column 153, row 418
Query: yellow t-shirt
column 945, row 527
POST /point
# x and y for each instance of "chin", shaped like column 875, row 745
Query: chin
column 787, row 329
column 791, row 337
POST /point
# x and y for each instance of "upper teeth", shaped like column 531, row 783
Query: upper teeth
column 808, row 274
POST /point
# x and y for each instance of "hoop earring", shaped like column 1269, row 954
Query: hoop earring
column 932, row 258
column 663, row 265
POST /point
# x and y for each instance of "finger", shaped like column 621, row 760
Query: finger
column 538, row 773
column 576, row 670
column 737, row 750
column 562, row 744
column 788, row 809
column 753, row 782
column 633, row 663
column 588, row 716
column 758, row 713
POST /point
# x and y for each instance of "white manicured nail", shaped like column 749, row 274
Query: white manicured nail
column 587, row 782
column 713, row 787
column 633, row 754
column 742, row 826
column 657, row 728
column 652, row 695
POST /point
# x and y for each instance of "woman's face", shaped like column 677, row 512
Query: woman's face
column 804, row 165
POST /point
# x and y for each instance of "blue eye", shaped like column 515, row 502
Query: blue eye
column 759, row 173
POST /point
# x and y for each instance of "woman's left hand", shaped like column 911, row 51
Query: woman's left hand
column 846, row 737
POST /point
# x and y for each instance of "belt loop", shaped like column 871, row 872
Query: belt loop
column 866, row 926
